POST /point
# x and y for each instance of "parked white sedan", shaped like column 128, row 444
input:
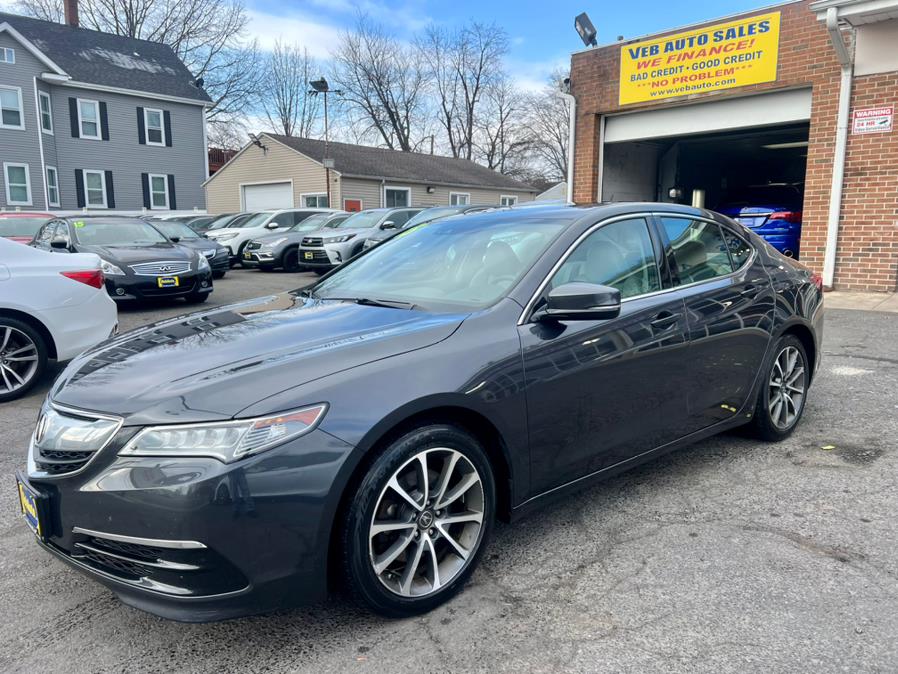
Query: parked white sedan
column 52, row 307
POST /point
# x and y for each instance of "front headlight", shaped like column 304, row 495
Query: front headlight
column 202, row 264
column 276, row 242
column 339, row 239
column 110, row 269
column 226, row 441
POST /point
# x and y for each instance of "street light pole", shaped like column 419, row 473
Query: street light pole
column 321, row 87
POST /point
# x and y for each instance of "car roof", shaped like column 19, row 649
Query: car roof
column 25, row 214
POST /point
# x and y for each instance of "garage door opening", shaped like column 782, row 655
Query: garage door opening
column 754, row 175
column 264, row 196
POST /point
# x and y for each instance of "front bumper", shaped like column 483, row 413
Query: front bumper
column 262, row 257
column 134, row 287
column 327, row 256
column 194, row 539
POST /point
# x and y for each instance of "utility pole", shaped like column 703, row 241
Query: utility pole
column 321, row 87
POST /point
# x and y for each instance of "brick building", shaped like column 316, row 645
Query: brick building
column 708, row 113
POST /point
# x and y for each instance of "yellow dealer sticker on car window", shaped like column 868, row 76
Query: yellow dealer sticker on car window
column 723, row 56
column 78, row 224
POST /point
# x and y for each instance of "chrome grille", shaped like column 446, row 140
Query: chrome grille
column 161, row 268
column 312, row 241
column 65, row 440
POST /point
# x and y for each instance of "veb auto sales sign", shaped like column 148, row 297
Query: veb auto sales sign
column 873, row 120
column 704, row 60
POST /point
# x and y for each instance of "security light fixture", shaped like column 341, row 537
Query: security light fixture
column 319, row 86
column 586, row 30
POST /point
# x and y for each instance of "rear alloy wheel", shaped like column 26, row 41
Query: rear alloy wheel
column 782, row 397
column 23, row 357
column 419, row 521
column 291, row 261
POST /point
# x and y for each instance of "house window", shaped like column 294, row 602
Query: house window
column 18, row 184
column 155, row 129
column 459, row 198
column 46, row 112
column 315, row 200
column 11, row 108
column 89, row 119
column 7, row 55
column 158, row 191
column 397, row 197
column 95, row 189
column 52, row 186
column 506, row 200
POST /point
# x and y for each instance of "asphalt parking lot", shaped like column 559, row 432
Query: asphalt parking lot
column 729, row 556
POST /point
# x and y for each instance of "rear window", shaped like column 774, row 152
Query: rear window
column 21, row 226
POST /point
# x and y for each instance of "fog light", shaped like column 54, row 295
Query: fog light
column 204, row 284
column 119, row 291
column 338, row 256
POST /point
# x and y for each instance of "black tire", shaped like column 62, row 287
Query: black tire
column 320, row 272
column 359, row 575
column 240, row 254
column 218, row 275
column 291, row 260
column 197, row 298
column 20, row 332
column 762, row 425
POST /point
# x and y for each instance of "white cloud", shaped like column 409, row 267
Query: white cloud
column 319, row 38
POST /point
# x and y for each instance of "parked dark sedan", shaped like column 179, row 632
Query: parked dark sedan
column 281, row 250
column 368, row 430
column 139, row 262
column 181, row 233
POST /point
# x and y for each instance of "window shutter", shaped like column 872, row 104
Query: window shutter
column 79, row 184
column 110, row 192
column 145, row 184
column 104, row 122
column 141, row 129
column 73, row 117
column 172, row 203
column 166, row 117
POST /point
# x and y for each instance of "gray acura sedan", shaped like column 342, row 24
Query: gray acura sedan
column 367, row 431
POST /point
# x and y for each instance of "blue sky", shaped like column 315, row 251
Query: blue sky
column 542, row 33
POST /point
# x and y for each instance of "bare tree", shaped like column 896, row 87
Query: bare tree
column 284, row 90
column 549, row 123
column 502, row 139
column 207, row 35
column 462, row 66
column 382, row 83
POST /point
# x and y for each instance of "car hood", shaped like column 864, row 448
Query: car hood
column 290, row 236
column 200, row 244
column 326, row 233
column 213, row 364
column 134, row 254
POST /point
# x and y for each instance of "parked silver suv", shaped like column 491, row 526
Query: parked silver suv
column 325, row 249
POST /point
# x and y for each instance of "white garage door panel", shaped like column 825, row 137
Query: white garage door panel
column 268, row 195
column 734, row 113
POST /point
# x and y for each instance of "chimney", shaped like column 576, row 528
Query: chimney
column 71, row 12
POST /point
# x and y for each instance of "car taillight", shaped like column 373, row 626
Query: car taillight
column 817, row 280
column 788, row 216
column 93, row 278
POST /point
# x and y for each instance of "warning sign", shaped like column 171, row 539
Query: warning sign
column 873, row 120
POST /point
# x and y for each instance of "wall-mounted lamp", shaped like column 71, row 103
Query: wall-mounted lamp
column 430, row 189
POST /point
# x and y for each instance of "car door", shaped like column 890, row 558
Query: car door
column 602, row 391
column 729, row 306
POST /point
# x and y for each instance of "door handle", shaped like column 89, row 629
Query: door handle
column 664, row 320
column 750, row 290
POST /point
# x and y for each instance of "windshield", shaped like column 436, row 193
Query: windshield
column 311, row 223
column 456, row 264
column 175, row 229
column 223, row 220
column 255, row 220
column 124, row 233
column 430, row 214
column 21, row 226
column 362, row 220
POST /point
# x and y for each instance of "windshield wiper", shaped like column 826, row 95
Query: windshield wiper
column 370, row 302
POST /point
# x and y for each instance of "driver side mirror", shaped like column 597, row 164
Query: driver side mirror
column 389, row 224
column 175, row 239
column 580, row 302
column 59, row 243
column 272, row 225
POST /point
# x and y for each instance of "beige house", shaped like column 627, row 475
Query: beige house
column 285, row 172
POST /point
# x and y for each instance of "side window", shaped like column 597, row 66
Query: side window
column 698, row 249
column 283, row 219
column 619, row 254
column 739, row 249
column 399, row 218
column 47, row 233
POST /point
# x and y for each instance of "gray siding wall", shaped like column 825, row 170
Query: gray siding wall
column 16, row 146
column 122, row 153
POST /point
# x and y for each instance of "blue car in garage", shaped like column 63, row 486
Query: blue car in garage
column 773, row 212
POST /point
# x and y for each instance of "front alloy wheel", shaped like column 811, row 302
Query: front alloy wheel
column 419, row 521
column 23, row 357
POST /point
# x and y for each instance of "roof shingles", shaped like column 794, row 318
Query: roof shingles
column 376, row 162
column 109, row 60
